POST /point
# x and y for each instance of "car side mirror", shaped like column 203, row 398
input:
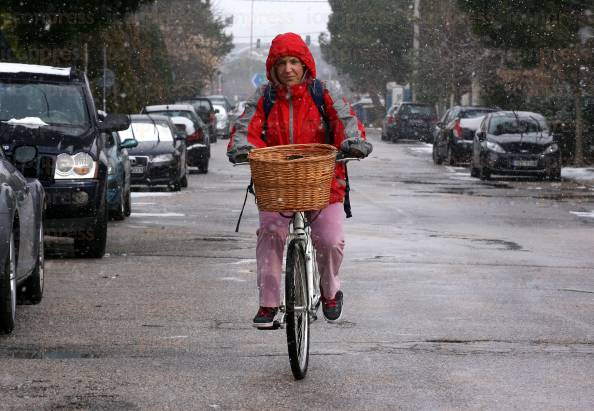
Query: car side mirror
column 217, row 111
column 129, row 143
column 24, row 154
column 101, row 114
column 115, row 122
column 481, row 135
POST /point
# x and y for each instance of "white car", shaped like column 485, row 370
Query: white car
column 222, row 121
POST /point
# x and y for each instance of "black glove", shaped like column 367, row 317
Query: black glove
column 239, row 154
column 356, row 147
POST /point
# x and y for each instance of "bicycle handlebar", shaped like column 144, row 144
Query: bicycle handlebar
column 339, row 159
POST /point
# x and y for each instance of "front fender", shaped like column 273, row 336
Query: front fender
column 7, row 210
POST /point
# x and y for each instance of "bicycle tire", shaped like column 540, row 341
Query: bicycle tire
column 297, row 321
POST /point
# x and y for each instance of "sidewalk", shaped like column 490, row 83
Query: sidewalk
column 584, row 175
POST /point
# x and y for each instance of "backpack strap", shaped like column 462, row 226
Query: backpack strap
column 269, row 100
column 316, row 90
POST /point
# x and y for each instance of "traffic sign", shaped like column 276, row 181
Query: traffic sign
column 258, row 79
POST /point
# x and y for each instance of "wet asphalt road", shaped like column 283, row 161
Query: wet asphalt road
column 459, row 294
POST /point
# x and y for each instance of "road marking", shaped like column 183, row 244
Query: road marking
column 234, row 279
column 152, row 194
column 157, row 215
column 142, row 204
column 583, row 214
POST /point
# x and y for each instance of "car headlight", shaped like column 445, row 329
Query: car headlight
column 551, row 149
column 80, row 165
column 494, row 147
column 162, row 158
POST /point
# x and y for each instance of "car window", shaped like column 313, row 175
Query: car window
column 473, row 113
column 418, row 111
column 199, row 105
column 144, row 132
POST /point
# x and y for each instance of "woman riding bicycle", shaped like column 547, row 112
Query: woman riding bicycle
column 290, row 110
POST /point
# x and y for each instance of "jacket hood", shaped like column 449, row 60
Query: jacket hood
column 289, row 44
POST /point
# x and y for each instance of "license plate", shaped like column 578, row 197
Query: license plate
column 525, row 163
column 137, row 170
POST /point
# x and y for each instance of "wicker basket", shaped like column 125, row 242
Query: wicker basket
column 295, row 177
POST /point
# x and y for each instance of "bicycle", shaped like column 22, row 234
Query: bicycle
column 302, row 297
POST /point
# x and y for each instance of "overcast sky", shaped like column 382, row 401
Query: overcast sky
column 272, row 17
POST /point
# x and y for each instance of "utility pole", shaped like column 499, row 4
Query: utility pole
column 416, row 35
column 104, row 77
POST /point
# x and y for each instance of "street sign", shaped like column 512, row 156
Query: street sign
column 258, row 79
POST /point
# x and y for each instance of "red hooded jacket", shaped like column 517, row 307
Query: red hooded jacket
column 294, row 117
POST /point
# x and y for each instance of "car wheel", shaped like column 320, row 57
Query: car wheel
column 436, row 158
column 184, row 181
column 32, row 290
column 203, row 167
column 120, row 213
column 474, row 172
column 484, row 173
column 93, row 247
column 128, row 204
column 8, row 289
column 450, row 157
column 555, row 174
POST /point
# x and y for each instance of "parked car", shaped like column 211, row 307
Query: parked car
column 222, row 122
column 388, row 123
column 53, row 109
column 118, row 176
column 220, row 100
column 454, row 133
column 22, row 260
column 160, row 156
column 517, row 143
column 207, row 113
column 412, row 121
column 198, row 143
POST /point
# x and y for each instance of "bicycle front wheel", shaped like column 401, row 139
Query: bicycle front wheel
column 297, row 315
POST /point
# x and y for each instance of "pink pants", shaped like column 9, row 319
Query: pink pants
column 328, row 238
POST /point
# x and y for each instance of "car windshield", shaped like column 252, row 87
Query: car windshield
column 55, row 104
column 199, row 105
column 473, row 113
column 500, row 125
column 175, row 113
column 417, row 111
column 146, row 132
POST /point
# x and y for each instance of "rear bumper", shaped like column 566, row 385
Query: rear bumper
column 197, row 153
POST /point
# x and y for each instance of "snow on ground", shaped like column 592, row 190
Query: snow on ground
column 583, row 214
column 582, row 175
column 423, row 148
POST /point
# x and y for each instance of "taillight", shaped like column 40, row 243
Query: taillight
column 391, row 120
column 213, row 118
column 457, row 129
column 196, row 137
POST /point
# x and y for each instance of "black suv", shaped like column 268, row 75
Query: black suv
column 53, row 110
column 411, row 121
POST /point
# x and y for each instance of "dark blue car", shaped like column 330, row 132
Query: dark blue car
column 118, row 176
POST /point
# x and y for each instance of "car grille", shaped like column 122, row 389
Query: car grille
column 523, row 148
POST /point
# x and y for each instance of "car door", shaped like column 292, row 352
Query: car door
column 476, row 142
column 441, row 139
column 26, row 210
column 124, row 160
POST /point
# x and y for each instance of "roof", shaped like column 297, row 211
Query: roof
column 171, row 107
column 518, row 113
column 149, row 118
column 14, row 68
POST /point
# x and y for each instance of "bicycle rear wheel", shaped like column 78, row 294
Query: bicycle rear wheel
column 297, row 315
